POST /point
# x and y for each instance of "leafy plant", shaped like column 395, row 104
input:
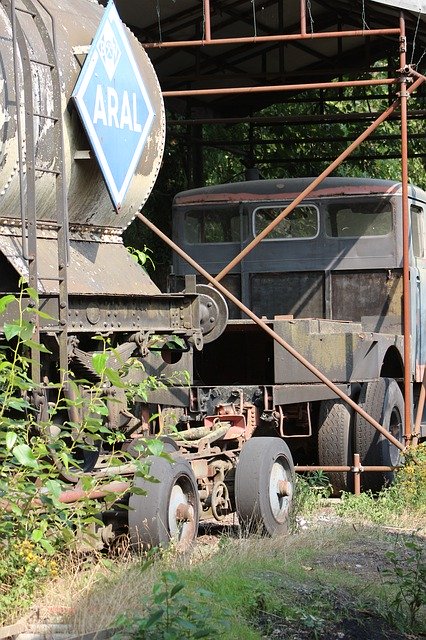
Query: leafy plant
column 172, row 615
column 142, row 256
column 406, row 494
column 311, row 489
column 48, row 431
column 407, row 575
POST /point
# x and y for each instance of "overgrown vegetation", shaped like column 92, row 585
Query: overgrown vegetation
column 327, row 580
column 40, row 446
column 172, row 614
column 405, row 498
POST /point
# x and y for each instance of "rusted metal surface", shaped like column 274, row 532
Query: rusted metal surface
column 420, row 409
column 281, row 87
column 357, row 475
column 276, row 38
column 76, row 494
column 289, row 189
column 403, row 96
column 95, row 268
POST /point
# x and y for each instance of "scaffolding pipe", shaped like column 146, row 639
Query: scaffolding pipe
column 420, row 408
column 303, row 17
column 403, row 95
column 278, row 87
column 288, row 37
column 207, row 25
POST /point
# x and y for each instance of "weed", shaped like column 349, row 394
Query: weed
column 172, row 615
column 407, row 495
column 48, row 432
column 407, row 576
column 311, row 490
column 142, row 256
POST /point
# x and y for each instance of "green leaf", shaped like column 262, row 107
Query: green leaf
column 114, row 378
column 32, row 293
column 36, row 535
column 47, row 546
column 17, row 404
column 155, row 447
column 38, row 347
column 53, row 487
column 11, row 438
column 138, row 491
column 5, row 302
column 24, row 455
column 176, row 589
column 23, row 329
column 11, row 330
column 99, row 361
column 153, row 618
column 42, row 314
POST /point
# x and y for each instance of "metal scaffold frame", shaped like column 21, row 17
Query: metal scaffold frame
column 409, row 80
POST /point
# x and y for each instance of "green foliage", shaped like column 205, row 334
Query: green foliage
column 406, row 575
column 172, row 614
column 48, row 432
column 406, row 494
column 142, row 256
column 311, row 489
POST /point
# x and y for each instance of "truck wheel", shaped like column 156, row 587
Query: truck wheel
column 264, row 482
column 169, row 512
column 335, row 424
column 383, row 400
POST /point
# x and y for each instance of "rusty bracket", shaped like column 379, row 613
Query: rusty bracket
column 405, row 78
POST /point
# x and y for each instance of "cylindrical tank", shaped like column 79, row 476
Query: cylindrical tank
column 75, row 23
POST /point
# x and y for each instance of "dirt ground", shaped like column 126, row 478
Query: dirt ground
column 317, row 608
column 367, row 558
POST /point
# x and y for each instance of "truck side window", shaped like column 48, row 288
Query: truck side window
column 353, row 219
column 300, row 223
column 417, row 230
column 219, row 225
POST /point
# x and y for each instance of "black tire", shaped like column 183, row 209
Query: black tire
column 154, row 519
column 383, row 400
column 335, row 426
column 262, row 506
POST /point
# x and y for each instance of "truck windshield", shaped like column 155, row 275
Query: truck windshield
column 222, row 224
column 302, row 222
column 353, row 219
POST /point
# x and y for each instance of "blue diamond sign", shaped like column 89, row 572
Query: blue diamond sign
column 114, row 104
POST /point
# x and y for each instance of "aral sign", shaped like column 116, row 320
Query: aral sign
column 113, row 104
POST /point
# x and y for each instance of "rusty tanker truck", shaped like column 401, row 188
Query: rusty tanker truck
column 231, row 403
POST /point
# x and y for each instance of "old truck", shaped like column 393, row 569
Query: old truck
column 327, row 279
